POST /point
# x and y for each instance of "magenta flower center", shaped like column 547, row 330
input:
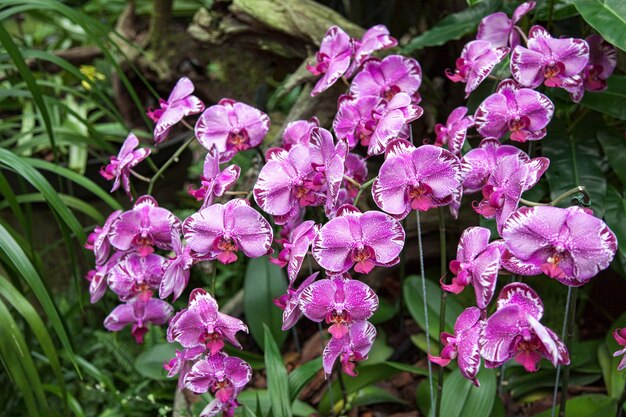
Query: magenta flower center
column 363, row 257
column 227, row 247
column 553, row 69
column 419, row 196
column 155, row 114
column 223, row 390
column 519, row 123
column 239, row 140
column 390, row 92
column 213, row 341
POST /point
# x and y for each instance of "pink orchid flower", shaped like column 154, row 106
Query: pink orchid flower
column 522, row 111
column 221, row 230
column 620, row 337
column 385, row 78
column 463, row 344
column 339, row 301
column 554, row 62
column 354, row 121
column 499, row 30
column 298, row 132
column 176, row 275
column 477, row 60
column 145, row 226
column 98, row 277
column 295, row 248
column 362, row 240
column 182, row 362
column 290, row 302
column 139, row 312
column 602, row 63
column 392, row 119
column 214, row 182
column 514, row 331
column 98, row 240
column 222, row 375
column 333, row 59
column 569, row 244
column 120, row 166
column 415, row 178
column 231, row 127
column 135, row 274
column 351, row 348
column 374, row 39
column 201, row 324
column 453, row 133
column 179, row 104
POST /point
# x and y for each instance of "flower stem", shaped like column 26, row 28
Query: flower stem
column 363, row 187
column 352, row 181
column 444, row 296
column 576, row 190
column 566, row 316
column 344, row 391
column 139, row 176
column 173, row 158
column 425, row 299
column 236, row 193
column 213, row 279
column 570, row 327
column 187, row 125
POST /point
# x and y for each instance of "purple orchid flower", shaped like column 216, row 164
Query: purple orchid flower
column 620, row 337
column 501, row 31
column 214, row 182
column 386, row 78
column 288, row 182
column 554, row 62
column 477, row 60
column 393, row 118
column 339, row 301
column 354, row 121
column 522, row 111
column 295, row 248
column 299, row 132
column 231, row 127
column 182, row 362
column 221, row 230
column 179, row 104
column 463, row 344
column 331, row 166
column 223, row 375
column 333, row 59
column 216, row 406
column 355, row 168
column 98, row 240
column 602, row 63
column 135, row 274
column 514, row 331
column 139, row 312
column 145, row 226
column 477, row 262
column 120, row 166
column 478, row 164
column 415, row 178
column 374, row 39
column 513, row 175
column 176, row 275
column 351, row 348
column 569, row 245
column 98, row 277
column 453, row 133
column 290, row 302
column 362, row 240
column 201, row 324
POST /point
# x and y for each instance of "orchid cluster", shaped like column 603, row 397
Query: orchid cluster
column 320, row 174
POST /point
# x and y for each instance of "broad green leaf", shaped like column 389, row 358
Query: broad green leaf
column 73, row 403
column 460, row 398
column 373, row 395
column 614, row 147
column 150, row 362
column 590, row 405
column 277, row 380
column 259, row 400
column 614, row 216
column 574, row 161
column 70, row 201
column 299, row 377
column 607, row 17
column 453, row 26
column 386, row 311
column 610, row 101
column 414, row 301
column 264, row 281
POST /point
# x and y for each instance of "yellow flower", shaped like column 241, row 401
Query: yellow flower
column 92, row 74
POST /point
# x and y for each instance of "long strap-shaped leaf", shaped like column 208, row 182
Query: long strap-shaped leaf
column 277, row 380
column 21, row 263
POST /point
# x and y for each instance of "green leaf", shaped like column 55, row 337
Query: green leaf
column 608, row 17
column 27, row 271
column 415, row 303
column 373, row 395
column 386, row 311
column 590, row 405
column 150, row 362
column 263, row 282
column 453, row 26
column 260, row 401
column 575, row 161
column 277, row 380
column 614, row 147
column 299, row 377
column 460, row 398
column 70, row 201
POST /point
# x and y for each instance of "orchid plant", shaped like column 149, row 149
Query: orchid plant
column 305, row 206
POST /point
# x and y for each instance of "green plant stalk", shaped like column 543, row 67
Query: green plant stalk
column 213, row 279
column 571, row 326
column 169, row 162
column 344, row 391
column 444, row 297
column 425, row 298
column 576, row 190
column 363, row 187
